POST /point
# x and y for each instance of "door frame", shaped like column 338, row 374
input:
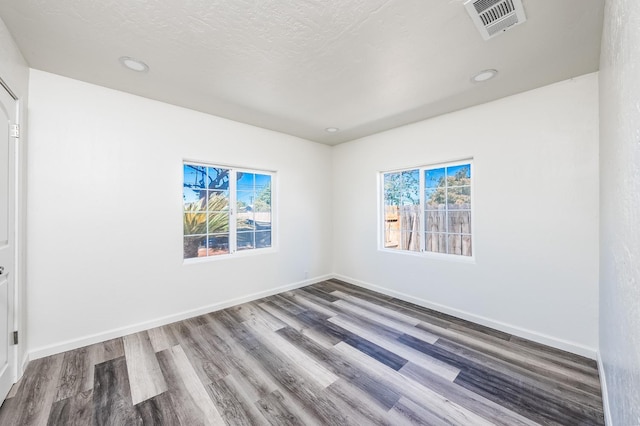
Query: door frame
column 19, row 234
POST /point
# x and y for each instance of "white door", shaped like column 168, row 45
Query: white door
column 7, row 233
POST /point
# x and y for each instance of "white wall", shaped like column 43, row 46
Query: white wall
column 105, row 212
column 620, row 210
column 15, row 73
column 535, row 214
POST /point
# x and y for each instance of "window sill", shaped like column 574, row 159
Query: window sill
column 432, row 256
column 236, row 255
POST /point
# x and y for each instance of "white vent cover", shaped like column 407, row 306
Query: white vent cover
column 493, row 17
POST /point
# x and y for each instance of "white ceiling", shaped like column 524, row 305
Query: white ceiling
column 300, row 66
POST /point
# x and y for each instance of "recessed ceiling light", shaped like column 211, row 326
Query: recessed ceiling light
column 484, row 76
column 331, row 129
column 134, row 64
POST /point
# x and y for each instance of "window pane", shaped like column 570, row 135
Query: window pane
column 459, row 175
column 246, row 240
column 245, row 200
column 410, row 241
column 245, row 181
column 391, row 227
column 392, row 189
column 192, row 246
column 402, row 188
column 459, row 221
column 245, row 221
column 190, row 197
column 466, row 245
column 435, row 198
column 218, row 222
column 218, row 244
column 263, row 239
column 459, row 198
column 263, row 221
column 435, row 221
column 262, row 202
column 411, row 187
column 460, row 245
column 217, row 178
column 455, row 244
column 217, row 200
column 436, row 243
column 409, row 218
column 195, row 176
column 194, row 223
column 434, row 178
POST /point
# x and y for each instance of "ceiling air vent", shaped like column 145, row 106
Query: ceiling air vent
column 493, row 17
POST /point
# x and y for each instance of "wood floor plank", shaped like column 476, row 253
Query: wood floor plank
column 250, row 376
column 99, row 353
column 278, row 411
column 520, row 395
column 39, row 388
column 252, row 313
column 326, row 354
column 233, row 407
column 408, row 412
column 76, row 410
column 359, row 406
column 399, row 326
column 379, row 309
column 285, row 349
column 145, row 377
column 385, row 398
column 158, row 411
column 544, row 382
column 438, row 367
column 500, row 349
column 287, row 318
column 203, row 355
column 189, row 391
column 162, row 338
column 418, row 393
column 486, row 408
column 339, row 334
column 74, row 373
column 112, row 395
column 298, row 385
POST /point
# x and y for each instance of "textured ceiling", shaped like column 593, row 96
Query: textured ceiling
column 299, row 66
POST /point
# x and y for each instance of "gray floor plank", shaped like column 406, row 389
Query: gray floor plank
column 326, row 354
column 145, row 377
column 112, row 395
column 234, row 408
column 32, row 405
column 190, row 398
column 158, row 411
column 76, row 410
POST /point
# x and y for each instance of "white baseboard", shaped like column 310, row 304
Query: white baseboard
column 605, row 392
column 146, row 325
column 535, row 336
column 23, row 365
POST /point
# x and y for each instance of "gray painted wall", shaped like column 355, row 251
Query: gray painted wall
column 620, row 209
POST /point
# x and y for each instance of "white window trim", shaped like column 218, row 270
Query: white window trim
column 423, row 253
column 233, row 251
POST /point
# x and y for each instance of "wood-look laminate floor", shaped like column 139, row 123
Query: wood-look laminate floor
column 327, row 354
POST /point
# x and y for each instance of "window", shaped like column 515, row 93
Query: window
column 428, row 209
column 225, row 210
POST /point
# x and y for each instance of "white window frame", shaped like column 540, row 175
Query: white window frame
column 423, row 252
column 233, row 243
